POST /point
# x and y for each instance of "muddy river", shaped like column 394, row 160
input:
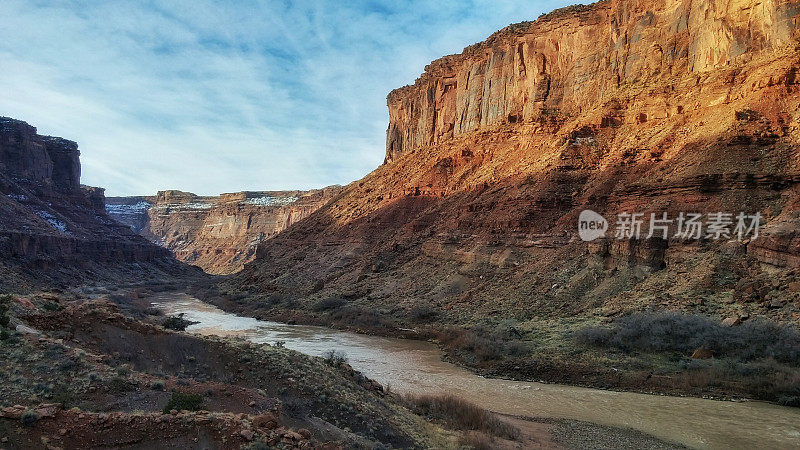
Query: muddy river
column 416, row 366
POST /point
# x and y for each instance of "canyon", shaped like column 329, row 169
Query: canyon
column 466, row 236
column 620, row 106
column 218, row 234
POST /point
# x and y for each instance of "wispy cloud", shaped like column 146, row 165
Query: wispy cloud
column 216, row 97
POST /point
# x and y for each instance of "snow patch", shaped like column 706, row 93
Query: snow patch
column 197, row 205
column 270, row 201
column 128, row 209
column 51, row 219
column 18, row 197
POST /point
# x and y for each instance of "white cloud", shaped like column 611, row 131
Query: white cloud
column 216, row 97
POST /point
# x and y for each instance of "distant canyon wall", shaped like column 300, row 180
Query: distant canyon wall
column 218, row 234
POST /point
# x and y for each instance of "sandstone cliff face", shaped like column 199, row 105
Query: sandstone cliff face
column 639, row 106
column 52, row 229
column 219, row 234
column 576, row 60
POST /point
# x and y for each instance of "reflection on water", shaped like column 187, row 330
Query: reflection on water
column 416, row 366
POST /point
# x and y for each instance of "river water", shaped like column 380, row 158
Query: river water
column 416, row 366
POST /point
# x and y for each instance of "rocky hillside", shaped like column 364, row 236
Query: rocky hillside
column 218, row 234
column 54, row 230
column 623, row 105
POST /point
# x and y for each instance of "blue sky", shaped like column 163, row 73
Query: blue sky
column 213, row 97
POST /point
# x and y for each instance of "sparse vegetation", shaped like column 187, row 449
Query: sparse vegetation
column 423, row 313
column 485, row 346
column 335, row 358
column 670, row 331
column 460, row 414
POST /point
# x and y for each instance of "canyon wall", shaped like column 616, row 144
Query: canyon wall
column 491, row 155
column 52, row 228
column 576, row 60
column 218, row 234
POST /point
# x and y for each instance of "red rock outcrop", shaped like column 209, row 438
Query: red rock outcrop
column 218, row 234
column 50, row 222
column 624, row 105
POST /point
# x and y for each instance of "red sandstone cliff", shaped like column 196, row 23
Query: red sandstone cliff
column 621, row 105
column 219, row 234
column 53, row 229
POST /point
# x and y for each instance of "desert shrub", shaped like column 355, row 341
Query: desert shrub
column 259, row 445
column 361, row 318
column 29, row 418
column 460, row 414
column 475, row 441
column 329, row 303
column 670, row 331
column 5, row 301
column 177, row 323
column 119, row 385
column 789, row 400
column 485, row 346
column 335, row 358
column 157, row 386
column 423, row 313
column 66, row 365
column 52, row 306
column 184, row 402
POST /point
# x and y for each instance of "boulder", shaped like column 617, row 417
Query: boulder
column 731, row 321
column 265, row 421
column 247, row 435
column 702, row 353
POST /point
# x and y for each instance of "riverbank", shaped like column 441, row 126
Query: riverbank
column 102, row 371
column 113, row 372
column 542, row 351
column 417, row 366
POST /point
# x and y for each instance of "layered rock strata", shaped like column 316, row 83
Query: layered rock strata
column 52, row 224
column 219, row 234
column 622, row 105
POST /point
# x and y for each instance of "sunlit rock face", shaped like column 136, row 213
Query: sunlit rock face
column 578, row 59
column 492, row 154
column 219, row 234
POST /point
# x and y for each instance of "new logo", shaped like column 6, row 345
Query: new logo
column 591, row 225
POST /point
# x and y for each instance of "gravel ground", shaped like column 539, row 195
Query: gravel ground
column 574, row 434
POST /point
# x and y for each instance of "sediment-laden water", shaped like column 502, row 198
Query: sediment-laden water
column 416, row 366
